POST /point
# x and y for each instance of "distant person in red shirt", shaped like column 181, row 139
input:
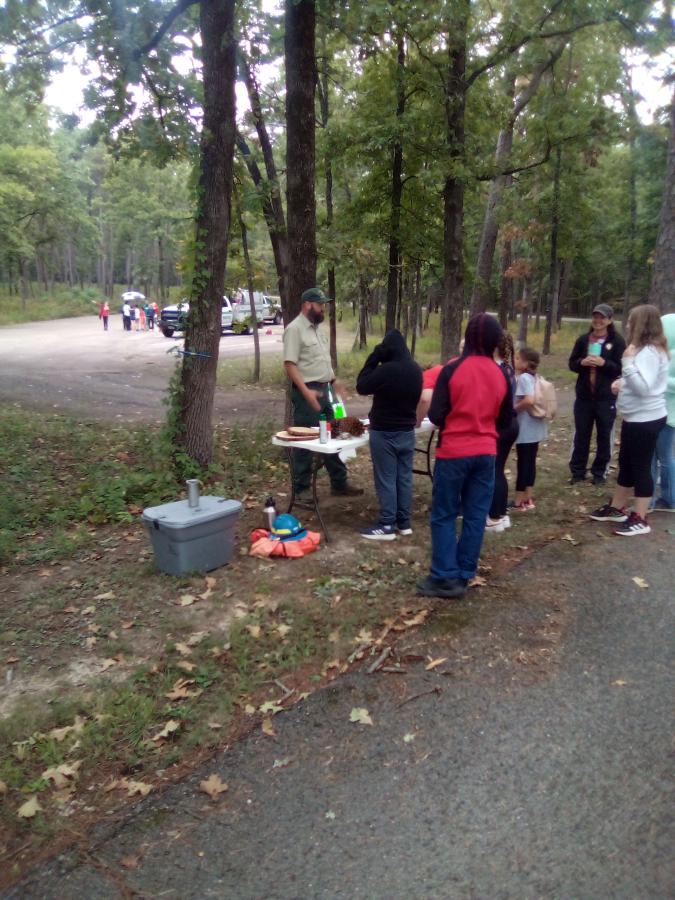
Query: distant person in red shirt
column 104, row 314
column 471, row 401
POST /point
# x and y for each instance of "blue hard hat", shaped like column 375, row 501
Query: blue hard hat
column 286, row 525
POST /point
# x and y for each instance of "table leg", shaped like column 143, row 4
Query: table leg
column 317, row 463
column 427, row 454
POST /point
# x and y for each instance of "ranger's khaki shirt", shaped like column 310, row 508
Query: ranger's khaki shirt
column 306, row 346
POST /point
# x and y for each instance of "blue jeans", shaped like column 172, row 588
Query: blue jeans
column 665, row 458
column 392, row 455
column 467, row 482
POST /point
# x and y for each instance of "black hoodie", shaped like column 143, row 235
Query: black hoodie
column 395, row 380
column 612, row 351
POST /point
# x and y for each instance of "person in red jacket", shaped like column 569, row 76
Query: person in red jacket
column 471, row 401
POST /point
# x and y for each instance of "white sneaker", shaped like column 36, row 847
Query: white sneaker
column 404, row 532
column 495, row 527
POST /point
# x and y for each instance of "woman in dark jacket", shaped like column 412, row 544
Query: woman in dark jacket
column 596, row 358
column 395, row 381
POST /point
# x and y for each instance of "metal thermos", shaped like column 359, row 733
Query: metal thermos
column 193, row 485
column 269, row 513
column 323, row 429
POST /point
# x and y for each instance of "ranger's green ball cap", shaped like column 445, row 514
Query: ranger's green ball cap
column 314, row 295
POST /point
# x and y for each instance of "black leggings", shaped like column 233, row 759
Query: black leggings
column 638, row 442
column 500, row 497
column 527, row 465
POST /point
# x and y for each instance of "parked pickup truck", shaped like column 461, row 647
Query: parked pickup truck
column 236, row 314
column 266, row 311
column 173, row 318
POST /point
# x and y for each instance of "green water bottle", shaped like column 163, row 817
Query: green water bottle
column 338, row 407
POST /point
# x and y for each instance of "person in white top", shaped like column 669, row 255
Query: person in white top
column 641, row 401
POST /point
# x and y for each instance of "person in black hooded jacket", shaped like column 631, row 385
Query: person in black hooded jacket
column 395, row 380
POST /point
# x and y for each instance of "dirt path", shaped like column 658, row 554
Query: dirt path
column 72, row 366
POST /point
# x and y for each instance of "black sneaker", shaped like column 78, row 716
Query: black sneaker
column 347, row 491
column 634, row 524
column 448, row 588
column 379, row 533
column 609, row 513
column 599, row 479
column 577, row 479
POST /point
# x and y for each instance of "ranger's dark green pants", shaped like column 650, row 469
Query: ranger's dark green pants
column 303, row 414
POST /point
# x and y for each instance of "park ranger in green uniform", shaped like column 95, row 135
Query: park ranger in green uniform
column 308, row 365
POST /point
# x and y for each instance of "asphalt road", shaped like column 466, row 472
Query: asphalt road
column 532, row 764
column 72, row 366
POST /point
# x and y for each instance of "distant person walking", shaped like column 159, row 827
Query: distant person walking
column 104, row 314
column 141, row 315
column 137, row 317
column 127, row 314
column 531, row 430
column 596, row 358
column 150, row 316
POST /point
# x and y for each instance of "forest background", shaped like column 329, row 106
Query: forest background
column 437, row 156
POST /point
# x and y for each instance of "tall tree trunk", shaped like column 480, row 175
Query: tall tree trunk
column 565, row 278
column 275, row 220
column 300, row 21
column 394, row 270
column 553, row 264
column 417, row 296
column 506, row 285
column 363, row 313
column 453, row 190
column 524, row 311
column 160, row 269
column 273, row 208
column 202, row 336
column 324, row 105
column 480, row 295
column 661, row 292
column 249, row 285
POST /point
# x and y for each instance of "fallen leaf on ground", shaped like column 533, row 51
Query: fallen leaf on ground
column 60, row 734
column 268, row 728
column 330, row 814
column 62, row 774
column 641, row 583
column 281, row 763
column 70, row 609
column 418, row 619
column 171, row 726
column 29, row 809
column 130, row 862
column 128, row 624
column 210, row 582
column 253, row 630
column 186, row 600
column 568, row 537
column 3, row 788
column 283, row 629
column 271, row 706
column 185, row 665
column 363, row 637
column 213, row 786
column 435, row 663
column 334, row 636
column 183, row 649
column 409, row 738
column 215, row 725
column 13, row 659
column 89, row 611
column 94, row 628
column 250, row 710
column 108, row 664
column 196, row 638
column 90, row 642
column 620, row 683
column 478, row 581
column 180, row 690
column 137, row 787
column 109, row 595
column 360, row 715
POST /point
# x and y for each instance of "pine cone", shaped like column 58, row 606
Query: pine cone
column 349, row 425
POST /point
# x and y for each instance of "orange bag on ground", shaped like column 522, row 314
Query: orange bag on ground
column 263, row 546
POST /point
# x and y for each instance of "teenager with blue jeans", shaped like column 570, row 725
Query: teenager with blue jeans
column 664, row 459
column 395, row 380
column 471, row 401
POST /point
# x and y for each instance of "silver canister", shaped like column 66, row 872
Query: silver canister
column 193, row 486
